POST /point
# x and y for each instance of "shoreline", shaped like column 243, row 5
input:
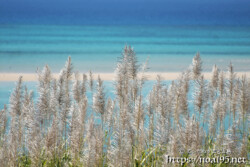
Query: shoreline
column 5, row 77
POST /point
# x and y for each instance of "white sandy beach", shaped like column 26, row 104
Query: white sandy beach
column 106, row 76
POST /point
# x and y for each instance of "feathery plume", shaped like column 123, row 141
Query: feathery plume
column 221, row 82
column 65, row 102
column 83, row 86
column 76, row 88
column 200, row 94
column 15, row 134
column 99, row 99
column 3, row 122
column 215, row 77
column 43, row 105
column 196, row 66
column 91, row 80
column 132, row 62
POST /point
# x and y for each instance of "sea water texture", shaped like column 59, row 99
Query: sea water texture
column 169, row 33
column 93, row 33
column 24, row 48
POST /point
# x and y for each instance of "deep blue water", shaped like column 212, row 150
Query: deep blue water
column 126, row 12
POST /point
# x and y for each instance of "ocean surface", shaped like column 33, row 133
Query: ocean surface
column 24, row 48
column 168, row 33
column 93, row 33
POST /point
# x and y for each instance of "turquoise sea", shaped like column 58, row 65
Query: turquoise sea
column 24, row 48
column 168, row 33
